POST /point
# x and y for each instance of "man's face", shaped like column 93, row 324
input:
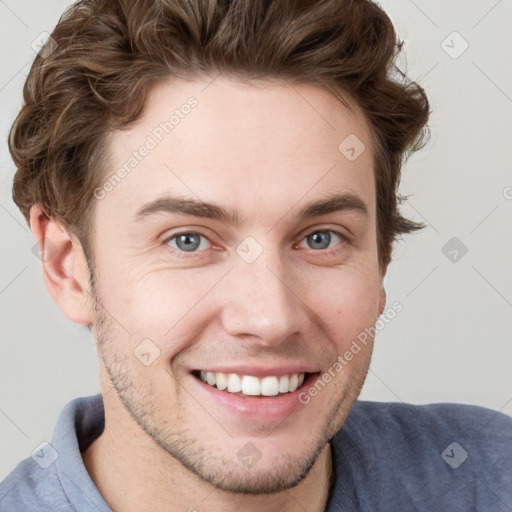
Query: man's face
column 275, row 294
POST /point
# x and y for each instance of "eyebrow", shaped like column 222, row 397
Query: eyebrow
column 197, row 208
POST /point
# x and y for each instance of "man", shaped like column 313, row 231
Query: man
column 213, row 185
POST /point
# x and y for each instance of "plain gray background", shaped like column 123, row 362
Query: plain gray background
column 451, row 342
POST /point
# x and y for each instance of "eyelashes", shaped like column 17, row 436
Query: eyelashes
column 189, row 239
column 329, row 232
column 192, row 243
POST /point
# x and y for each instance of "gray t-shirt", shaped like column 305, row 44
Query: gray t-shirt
column 387, row 457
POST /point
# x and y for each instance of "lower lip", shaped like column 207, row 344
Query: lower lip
column 256, row 408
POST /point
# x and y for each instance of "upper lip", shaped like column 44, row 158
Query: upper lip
column 259, row 371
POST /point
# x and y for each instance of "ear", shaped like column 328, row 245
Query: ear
column 65, row 269
column 382, row 299
column 382, row 291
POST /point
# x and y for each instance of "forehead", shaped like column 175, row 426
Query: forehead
column 257, row 148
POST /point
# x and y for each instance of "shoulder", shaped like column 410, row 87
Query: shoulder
column 30, row 487
column 485, row 434
column 444, row 454
column 54, row 478
column 437, row 419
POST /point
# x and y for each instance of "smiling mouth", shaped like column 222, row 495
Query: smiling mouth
column 249, row 386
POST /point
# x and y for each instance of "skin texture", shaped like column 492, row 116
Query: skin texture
column 265, row 149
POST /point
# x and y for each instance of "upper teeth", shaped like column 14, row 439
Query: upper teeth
column 250, row 385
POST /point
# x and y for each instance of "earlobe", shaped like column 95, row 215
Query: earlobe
column 65, row 269
column 382, row 299
column 382, row 293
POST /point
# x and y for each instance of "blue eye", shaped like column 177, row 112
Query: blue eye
column 193, row 242
column 321, row 239
column 188, row 242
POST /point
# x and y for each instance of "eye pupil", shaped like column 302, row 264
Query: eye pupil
column 320, row 237
column 190, row 242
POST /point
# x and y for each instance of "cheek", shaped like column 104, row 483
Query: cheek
column 170, row 307
column 154, row 292
column 347, row 302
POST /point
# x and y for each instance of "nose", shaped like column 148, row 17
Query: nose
column 261, row 301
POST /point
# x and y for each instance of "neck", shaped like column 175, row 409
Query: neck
column 132, row 473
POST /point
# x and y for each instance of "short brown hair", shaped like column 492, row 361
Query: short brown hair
column 110, row 53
